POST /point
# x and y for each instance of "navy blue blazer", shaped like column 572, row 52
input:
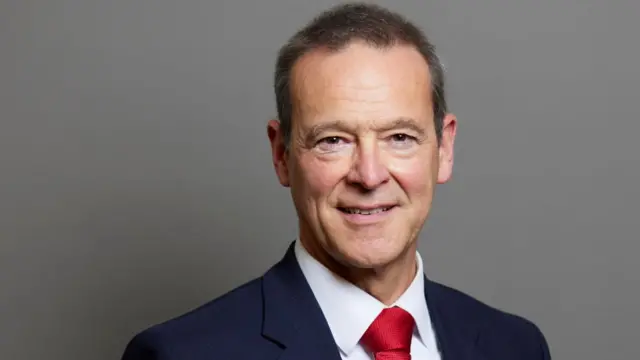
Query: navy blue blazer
column 276, row 316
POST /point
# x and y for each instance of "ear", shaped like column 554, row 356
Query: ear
column 278, row 151
column 449, row 128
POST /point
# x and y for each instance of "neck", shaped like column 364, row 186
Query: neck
column 386, row 282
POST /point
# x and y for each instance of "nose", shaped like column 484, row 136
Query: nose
column 368, row 170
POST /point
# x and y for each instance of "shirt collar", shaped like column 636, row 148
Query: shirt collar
column 349, row 310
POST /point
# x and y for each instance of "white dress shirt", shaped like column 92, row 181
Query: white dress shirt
column 350, row 310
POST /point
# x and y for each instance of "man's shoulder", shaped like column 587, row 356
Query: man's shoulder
column 472, row 308
column 235, row 317
column 496, row 328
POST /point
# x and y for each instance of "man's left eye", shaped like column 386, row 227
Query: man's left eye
column 401, row 137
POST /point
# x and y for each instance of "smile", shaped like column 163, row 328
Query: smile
column 360, row 211
column 366, row 215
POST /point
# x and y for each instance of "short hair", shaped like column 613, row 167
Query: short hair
column 336, row 28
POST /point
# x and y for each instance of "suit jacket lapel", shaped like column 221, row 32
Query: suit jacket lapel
column 292, row 316
column 456, row 330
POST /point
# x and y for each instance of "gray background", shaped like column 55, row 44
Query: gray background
column 136, row 180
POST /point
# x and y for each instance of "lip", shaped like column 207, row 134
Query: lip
column 361, row 219
column 367, row 207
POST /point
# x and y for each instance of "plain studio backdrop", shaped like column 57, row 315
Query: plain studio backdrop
column 136, row 181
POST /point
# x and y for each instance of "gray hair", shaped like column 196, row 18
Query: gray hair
column 334, row 29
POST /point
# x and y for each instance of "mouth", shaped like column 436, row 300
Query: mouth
column 365, row 211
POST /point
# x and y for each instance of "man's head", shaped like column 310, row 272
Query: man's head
column 363, row 134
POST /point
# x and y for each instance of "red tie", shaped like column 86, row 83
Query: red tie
column 389, row 336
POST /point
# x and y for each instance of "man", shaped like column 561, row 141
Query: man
column 363, row 137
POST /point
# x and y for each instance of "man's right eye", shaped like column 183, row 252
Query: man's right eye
column 331, row 144
column 332, row 140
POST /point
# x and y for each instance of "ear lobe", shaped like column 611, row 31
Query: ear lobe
column 278, row 151
column 446, row 149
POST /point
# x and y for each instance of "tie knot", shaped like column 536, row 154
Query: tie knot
column 390, row 331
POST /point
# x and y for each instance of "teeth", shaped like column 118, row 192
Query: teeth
column 365, row 212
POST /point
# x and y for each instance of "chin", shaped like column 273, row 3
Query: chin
column 369, row 252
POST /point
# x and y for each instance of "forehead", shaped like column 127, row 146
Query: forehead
column 361, row 81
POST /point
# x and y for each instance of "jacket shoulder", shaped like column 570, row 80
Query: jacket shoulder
column 498, row 329
column 224, row 326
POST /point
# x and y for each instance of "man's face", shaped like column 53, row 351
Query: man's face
column 363, row 158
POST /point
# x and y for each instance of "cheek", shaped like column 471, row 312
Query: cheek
column 416, row 178
column 321, row 177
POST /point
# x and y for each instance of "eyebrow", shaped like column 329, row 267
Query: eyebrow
column 341, row 125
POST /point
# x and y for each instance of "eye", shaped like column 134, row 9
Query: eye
column 400, row 137
column 331, row 143
column 402, row 140
column 331, row 140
